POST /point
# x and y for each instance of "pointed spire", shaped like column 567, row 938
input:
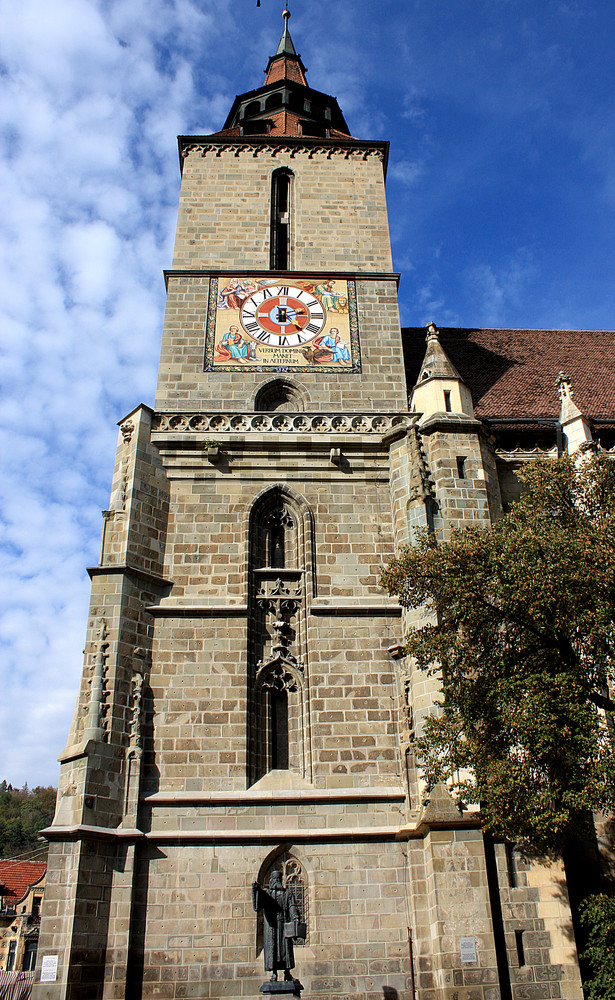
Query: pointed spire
column 286, row 47
column 436, row 363
column 569, row 410
column 286, row 64
column 575, row 425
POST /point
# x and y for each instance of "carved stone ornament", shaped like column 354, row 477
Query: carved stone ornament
column 127, row 429
column 287, row 423
column 255, row 149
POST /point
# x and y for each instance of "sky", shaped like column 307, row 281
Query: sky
column 501, row 192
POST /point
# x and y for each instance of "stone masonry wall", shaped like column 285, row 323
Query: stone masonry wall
column 183, row 385
column 198, row 932
column 338, row 209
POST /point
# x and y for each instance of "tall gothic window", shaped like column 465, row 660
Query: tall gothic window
column 278, row 716
column 281, row 186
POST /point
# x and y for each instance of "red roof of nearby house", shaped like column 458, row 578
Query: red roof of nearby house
column 513, row 373
column 16, row 877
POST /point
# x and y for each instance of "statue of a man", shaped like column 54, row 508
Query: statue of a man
column 281, row 925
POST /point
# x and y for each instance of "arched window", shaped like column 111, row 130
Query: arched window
column 253, row 108
column 281, row 394
column 279, row 717
column 281, row 185
column 274, row 101
column 275, row 538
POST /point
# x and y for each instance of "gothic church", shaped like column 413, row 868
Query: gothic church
column 245, row 705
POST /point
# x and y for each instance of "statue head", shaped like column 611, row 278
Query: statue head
column 275, row 880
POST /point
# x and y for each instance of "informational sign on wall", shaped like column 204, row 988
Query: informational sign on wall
column 49, row 969
column 467, row 949
column 302, row 324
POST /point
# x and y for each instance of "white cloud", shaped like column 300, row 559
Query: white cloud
column 94, row 94
column 407, row 172
column 496, row 288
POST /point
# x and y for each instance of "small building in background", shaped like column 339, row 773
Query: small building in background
column 22, row 887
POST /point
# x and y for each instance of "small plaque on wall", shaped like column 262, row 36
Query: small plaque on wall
column 298, row 324
column 467, row 949
column 49, row 969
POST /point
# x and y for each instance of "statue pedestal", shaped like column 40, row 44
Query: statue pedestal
column 282, row 986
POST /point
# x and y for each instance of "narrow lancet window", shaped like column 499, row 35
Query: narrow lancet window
column 276, row 546
column 278, row 720
column 280, row 219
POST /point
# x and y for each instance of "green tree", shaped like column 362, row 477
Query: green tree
column 23, row 814
column 598, row 917
column 522, row 631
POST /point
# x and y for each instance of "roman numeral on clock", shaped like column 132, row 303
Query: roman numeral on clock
column 251, row 327
column 312, row 328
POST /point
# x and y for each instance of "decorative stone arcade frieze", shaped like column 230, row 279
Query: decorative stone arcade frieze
column 298, row 423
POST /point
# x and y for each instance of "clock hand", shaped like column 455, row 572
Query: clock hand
column 294, row 321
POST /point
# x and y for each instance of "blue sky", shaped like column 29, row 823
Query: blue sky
column 501, row 194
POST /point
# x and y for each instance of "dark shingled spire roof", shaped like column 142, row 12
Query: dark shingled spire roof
column 286, row 46
column 285, row 105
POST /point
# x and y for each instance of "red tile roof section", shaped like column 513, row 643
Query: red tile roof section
column 16, row 877
column 513, row 373
column 285, row 68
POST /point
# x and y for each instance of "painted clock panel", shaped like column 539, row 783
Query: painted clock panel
column 298, row 324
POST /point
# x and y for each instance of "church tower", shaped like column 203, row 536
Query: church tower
column 245, row 707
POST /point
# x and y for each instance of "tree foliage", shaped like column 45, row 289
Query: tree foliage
column 598, row 917
column 522, row 629
column 23, row 814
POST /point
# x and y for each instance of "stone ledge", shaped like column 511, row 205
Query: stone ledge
column 342, row 606
column 292, row 835
column 354, row 606
column 197, row 610
column 449, row 422
column 82, row 831
column 278, row 796
column 109, row 569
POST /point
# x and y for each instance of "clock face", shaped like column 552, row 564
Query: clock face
column 282, row 316
column 299, row 323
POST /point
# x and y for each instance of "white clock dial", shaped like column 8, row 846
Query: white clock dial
column 282, row 316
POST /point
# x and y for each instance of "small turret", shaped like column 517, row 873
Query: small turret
column 440, row 388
